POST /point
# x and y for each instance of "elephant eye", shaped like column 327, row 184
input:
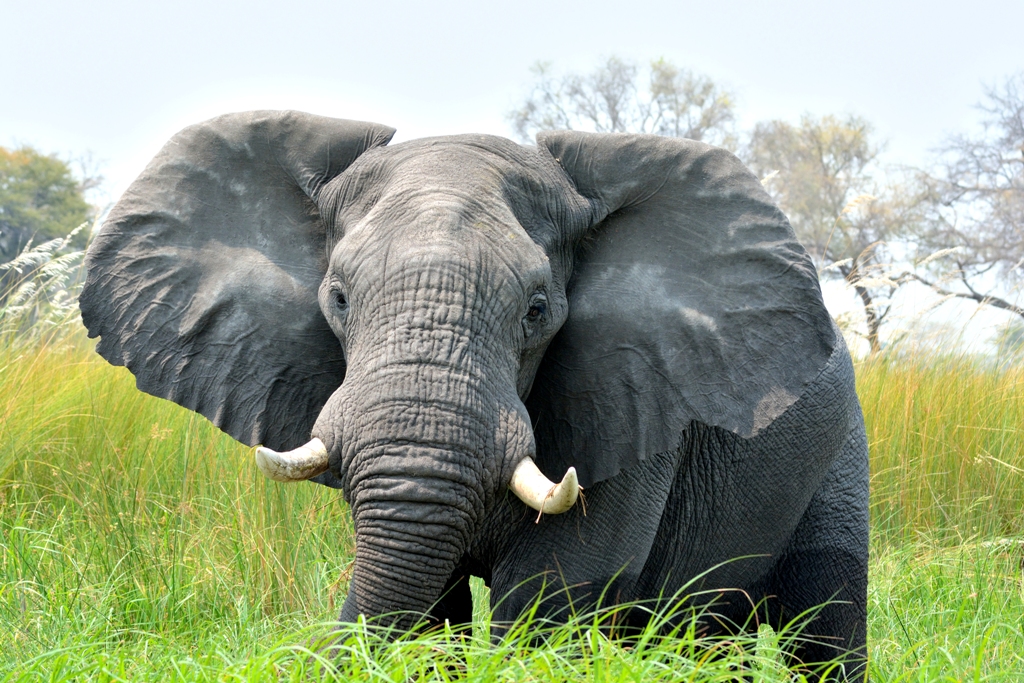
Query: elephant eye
column 536, row 314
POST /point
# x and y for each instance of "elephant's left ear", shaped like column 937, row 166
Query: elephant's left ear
column 691, row 299
column 203, row 280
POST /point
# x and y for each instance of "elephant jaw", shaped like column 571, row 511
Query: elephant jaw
column 540, row 493
column 299, row 464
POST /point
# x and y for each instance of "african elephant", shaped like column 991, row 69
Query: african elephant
column 425, row 324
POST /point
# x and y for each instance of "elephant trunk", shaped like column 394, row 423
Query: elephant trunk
column 404, row 556
column 412, row 528
column 424, row 451
column 419, row 475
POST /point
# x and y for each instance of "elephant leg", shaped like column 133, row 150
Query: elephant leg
column 823, row 571
column 456, row 602
column 575, row 561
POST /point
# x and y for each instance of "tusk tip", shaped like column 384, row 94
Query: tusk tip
column 566, row 493
column 542, row 494
column 264, row 458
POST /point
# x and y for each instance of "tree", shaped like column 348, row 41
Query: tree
column 619, row 97
column 820, row 172
column 39, row 199
column 975, row 198
column 1009, row 340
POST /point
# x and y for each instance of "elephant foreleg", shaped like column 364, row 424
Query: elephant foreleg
column 455, row 604
column 823, row 571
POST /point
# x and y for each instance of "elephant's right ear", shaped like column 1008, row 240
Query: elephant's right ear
column 203, row 280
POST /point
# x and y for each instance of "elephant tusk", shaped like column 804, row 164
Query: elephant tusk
column 299, row 464
column 542, row 494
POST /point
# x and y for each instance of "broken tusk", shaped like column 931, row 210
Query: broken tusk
column 299, row 464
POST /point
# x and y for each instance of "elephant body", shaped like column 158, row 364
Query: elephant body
column 447, row 320
column 794, row 537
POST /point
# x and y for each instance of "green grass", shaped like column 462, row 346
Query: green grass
column 137, row 542
column 947, row 447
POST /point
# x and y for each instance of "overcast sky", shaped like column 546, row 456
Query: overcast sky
column 118, row 78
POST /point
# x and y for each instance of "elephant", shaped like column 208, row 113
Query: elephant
column 460, row 333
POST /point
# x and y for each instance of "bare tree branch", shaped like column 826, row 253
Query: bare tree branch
column 983, row 299
column 975, row 197
column 620, row 97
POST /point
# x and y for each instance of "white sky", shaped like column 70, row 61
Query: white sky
column 117, row 78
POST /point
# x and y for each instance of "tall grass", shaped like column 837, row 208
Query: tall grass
column 111, row 497
column 39, row 290
column 947, row 453
column 137, row 542
column 946, row 582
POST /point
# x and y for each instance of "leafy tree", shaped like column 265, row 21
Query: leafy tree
column 620, row 97
column 39, row 199
column 822, row 174
column 1009, row 340
column 975, row 198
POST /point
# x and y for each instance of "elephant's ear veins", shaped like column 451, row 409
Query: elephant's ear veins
column 691, row 300
column 203, row 279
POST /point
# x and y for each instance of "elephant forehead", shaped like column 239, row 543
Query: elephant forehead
column 469, row 159
column 445, row 280
column 481, row 182
column 441, row 248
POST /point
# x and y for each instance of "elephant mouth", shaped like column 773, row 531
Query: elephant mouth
column 528, row 483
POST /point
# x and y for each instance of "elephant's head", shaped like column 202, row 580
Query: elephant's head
column 380, row 314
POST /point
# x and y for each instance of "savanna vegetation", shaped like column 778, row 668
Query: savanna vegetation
column 137, row 542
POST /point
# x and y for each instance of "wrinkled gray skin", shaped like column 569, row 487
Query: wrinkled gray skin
column 632, row 306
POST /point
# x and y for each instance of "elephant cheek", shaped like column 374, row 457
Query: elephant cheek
column 329, row 428
column 514, row 438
